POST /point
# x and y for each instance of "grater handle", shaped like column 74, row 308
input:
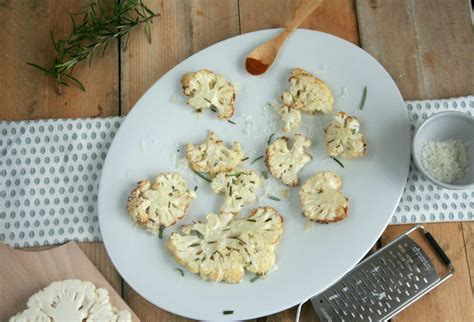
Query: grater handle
column 438, row 249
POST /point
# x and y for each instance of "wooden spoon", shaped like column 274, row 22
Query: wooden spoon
column 262, row 57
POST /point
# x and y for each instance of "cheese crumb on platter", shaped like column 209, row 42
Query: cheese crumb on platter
column 447, row 160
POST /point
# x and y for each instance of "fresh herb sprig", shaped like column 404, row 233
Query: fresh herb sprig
column 94, row 29
column 340, row 163
column 364, row 97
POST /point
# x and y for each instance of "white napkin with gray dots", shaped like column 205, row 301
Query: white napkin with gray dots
column 50, row 172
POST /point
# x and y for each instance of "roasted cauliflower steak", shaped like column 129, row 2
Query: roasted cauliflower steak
column 321, row 199
column 72, row 301
column 285, row 163
column 207, row 90
column 291, row 117
column 213, row 156
column 239, row 187
column 223, row 247
column 343, row 137
column 308, row 93
column 161, row 203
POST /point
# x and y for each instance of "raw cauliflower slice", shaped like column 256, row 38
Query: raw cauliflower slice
column 321, row 200
column 213, row 156
column 206, row 89
column 308, row 93
column 223, row 247
column 239, row 187
column 72, row 301
column 343, row 137
column 284, row 163
column 161, row 203
column 291, row 117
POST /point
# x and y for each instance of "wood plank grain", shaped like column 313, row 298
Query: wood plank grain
column 336, row 17
column 426, row 45
column 468, row 233
column 184, row 28
column 27, row 93
column 452, row 300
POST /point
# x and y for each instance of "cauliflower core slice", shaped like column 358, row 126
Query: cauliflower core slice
column 206, row 89
column 239, row 187
column 291, row 117
column 284, row 163
column 161, row 203
column 343, row 137
column 222, row 248
column 308, row 93
column 321, row 200
column 72, row 301
column 213, row 156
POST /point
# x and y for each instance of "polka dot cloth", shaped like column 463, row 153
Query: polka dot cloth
column 423, row 201
column 50, row 172
column 49, row 179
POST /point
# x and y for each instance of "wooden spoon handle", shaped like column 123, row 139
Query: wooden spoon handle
column 302, row 12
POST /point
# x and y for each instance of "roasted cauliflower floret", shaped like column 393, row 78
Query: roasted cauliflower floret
column 161, row 203
column 239, row 187
column 223, row 247
column 284, row 163
column 213, row 156
column 308, row 93
column 206, row 89
column 343, row 137
column 73, row 301
column 321, row 200
column 291, row 117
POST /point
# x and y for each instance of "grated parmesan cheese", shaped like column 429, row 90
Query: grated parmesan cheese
column 447, row 160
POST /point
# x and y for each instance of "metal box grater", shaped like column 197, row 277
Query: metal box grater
column 384, row 283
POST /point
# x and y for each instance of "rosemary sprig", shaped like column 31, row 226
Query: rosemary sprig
column 202, row 176
column 273, row 198
column 340, row 163
column 160, row 232
column 94, row 29
column 270, row 138
column 255, row 160
column 256, row 277
column 264, row 174
column 364, row 96
column 227, row 312
column 231, row 122
column 244, row 159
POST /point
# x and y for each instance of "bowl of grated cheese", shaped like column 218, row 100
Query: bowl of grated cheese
column 443, row 149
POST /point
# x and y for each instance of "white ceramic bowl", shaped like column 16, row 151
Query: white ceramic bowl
column 444, row 126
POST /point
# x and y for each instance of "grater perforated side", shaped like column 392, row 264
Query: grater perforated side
column 383, row 284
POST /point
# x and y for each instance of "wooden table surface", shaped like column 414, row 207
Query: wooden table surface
column 426, row 45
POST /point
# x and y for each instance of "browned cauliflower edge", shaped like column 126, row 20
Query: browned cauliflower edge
column 308, row 93
column 223, row 247
column 321, row 199
column 207, row 90
column 159, row 204
column 213, row 156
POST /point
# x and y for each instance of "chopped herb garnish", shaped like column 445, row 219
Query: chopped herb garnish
column 231, row 122
column 207, row 100
column 212, row 242
column 255, row 160
column 177, row 150
column 273, row 198
column 256, row 277
column 244, row 159
column 364, row 96
column 252, row 220
column 234, row 174
column 230, row 191
column 197, row 233
column 227, row 312
column 268, row 219
column 152, row 220
column 238, row 198
column 179, row 270
column 202, row 176
column 270, row 138
column 160, row 232
column 340, row 163
column 195, row 188
column 194, row 245
column 264, row 174
column 213, row 108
